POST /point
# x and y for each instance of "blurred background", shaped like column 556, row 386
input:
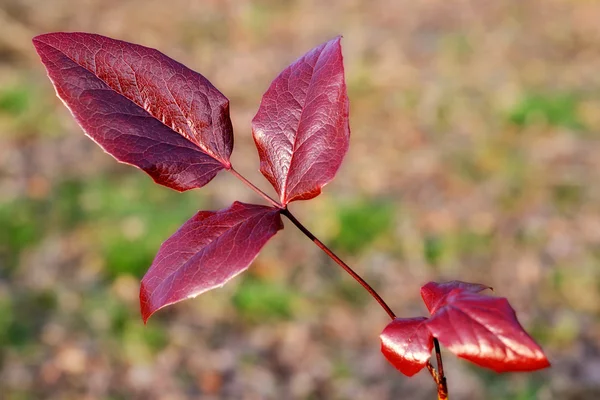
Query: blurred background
column 474, row 156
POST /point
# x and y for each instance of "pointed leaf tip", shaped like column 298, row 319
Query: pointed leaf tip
column 206, row 252
column 301, row 129
column 434, row 294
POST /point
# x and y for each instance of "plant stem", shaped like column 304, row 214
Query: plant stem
column 262, row 194
column 339, row 261
column 438, row 376
column 433, row 372
column 316, row 241
column 441, row 379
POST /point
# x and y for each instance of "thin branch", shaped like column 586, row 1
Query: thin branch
column 342, row 264
column 438, row 376
column 262, row 194
column 441, row 381
column 433, row 372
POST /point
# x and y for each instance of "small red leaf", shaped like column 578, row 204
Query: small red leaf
column 301, row 129
column 142, row 107
column 206, row 252
column 407, row 343
column 434, row 294
column 485, row 331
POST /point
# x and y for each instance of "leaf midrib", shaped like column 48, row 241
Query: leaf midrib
column 294, row 146
column 199, row 145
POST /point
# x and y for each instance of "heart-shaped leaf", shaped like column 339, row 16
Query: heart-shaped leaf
column 206, row 252
column 434, row 294
column 142, row 107
column 407, row 343
column 485, row 330
column 301, row 129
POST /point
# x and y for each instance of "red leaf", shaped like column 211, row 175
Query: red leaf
column 407, row 344
column 301, row 129
column 434, row 294
column 485, row 330
column 206, row 252
column 142, row 107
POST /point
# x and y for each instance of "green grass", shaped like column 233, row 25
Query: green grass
column 6, row 320
column 128, row 216
column 456, row 245
column 361, row 223
column 26, row 112
column 259, row 300
column 433, row 249
column 15, row 100
column 21, row 222
column 553, row 109
column 20, row 333
column 134, row 218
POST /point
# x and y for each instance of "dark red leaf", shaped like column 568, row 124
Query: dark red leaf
column 142, row 107
column 434, row 294
column 206, row 252
column 407, row 344
column 485, row 330
column 301, row 129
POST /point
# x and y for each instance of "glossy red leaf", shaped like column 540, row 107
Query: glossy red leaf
column 434, row 294
column 301, row 129
column 485, row 330
column 206, row 252
column 407, row 344
column 142, row 107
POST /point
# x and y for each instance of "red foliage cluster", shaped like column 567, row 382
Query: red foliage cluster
column 150, row 111
column 479, row 328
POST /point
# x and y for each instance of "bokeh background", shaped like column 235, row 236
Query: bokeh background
column 474, row 156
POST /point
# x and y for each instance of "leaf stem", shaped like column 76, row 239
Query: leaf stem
column 339, row 261
column 441, row 379
column 438, row 376
column 262, row 194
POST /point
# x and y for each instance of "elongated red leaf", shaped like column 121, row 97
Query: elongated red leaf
column 207, row 251
column 434, row 294
column 142, row 107
column 301, row 129
column 485, row 330
column 407, row 344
